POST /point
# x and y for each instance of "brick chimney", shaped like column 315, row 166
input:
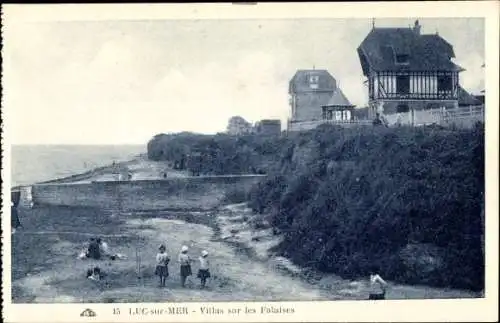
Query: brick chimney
column 416, row 28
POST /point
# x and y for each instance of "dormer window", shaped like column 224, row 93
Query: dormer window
column 313, row 81
column 402, row 59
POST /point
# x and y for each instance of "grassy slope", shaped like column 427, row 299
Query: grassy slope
column 407, row 200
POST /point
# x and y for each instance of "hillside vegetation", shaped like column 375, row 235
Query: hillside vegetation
column 407, row 200
column 220, row 154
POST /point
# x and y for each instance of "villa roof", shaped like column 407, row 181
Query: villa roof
column 381, row 47
column 338, row 99
column 300, row 81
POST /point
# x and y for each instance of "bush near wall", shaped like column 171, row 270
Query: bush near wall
column 220, row 154
column 407, row 200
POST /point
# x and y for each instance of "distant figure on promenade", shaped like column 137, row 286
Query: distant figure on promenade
column 14, row 216
column 379, row 120
column 185, row 263
column 399, row 120
column 377, row 287
column 162, row 260
column 204, row 271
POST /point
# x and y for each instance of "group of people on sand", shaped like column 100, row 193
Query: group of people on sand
column 97, row 249
column 185, row 261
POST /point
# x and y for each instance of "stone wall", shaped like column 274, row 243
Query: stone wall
column 176, row 193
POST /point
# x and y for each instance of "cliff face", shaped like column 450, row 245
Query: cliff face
column 405, row 200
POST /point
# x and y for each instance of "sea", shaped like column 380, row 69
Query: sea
column 35, row 163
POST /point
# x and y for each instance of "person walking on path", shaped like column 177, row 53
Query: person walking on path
column 162, row 260
column 378, row 286
column 185, row 262
column 204, row 272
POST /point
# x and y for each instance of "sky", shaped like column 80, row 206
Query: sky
column 118, row 82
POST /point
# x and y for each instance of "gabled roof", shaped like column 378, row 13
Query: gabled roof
column 425, row 52
column 465, row 98
column 338, row 99
column 300, row 81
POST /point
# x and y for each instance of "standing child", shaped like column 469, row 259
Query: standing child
column 185, row 262
column 378, row 286
column 162, row 260
column 204, row 272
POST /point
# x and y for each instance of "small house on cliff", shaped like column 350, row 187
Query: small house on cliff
column 237, row 126
column 268, row 127
column 408, row 72
column 315, row 98
column 309, row 90
column 338, row 108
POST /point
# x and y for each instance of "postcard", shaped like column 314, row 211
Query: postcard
column 250, row 162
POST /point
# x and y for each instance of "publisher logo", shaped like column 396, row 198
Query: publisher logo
column 88, row 313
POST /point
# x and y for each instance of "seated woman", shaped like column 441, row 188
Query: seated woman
column 105, row 251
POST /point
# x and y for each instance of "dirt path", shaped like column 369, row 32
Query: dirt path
column 46, row 268
column 236, row 277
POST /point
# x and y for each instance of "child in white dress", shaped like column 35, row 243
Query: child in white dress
column 185, row 262
column 162, row 260
column 204, row 272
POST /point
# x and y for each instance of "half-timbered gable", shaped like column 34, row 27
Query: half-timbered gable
column 407, row 70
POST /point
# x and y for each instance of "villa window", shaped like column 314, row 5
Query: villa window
column 402, row 108
column 403, row 84
column 444, row 83
column 402, row 59
column 313, row 81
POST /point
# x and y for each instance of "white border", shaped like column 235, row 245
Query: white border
column 360, row 311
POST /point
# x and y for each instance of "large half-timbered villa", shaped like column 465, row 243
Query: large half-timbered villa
column 410, row 75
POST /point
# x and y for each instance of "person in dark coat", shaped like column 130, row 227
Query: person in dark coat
column 377, row 121
column 93, row 250
column 14, row 217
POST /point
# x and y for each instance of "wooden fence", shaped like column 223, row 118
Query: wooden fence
column 463, row 117
column 308, row 125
